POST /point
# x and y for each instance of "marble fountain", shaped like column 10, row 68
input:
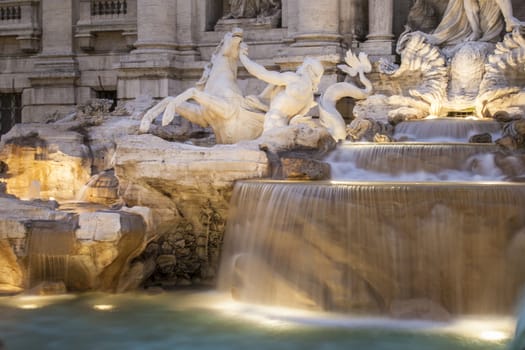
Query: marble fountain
column 401, row 230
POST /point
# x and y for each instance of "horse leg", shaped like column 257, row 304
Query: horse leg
column 192, row 112
column 171, row 107
column 146, row 121
column 168, row 106
column 214, row 105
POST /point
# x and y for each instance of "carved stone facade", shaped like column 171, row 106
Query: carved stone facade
column 56, row 54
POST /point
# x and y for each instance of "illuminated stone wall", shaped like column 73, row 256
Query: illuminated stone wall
column 58, row 53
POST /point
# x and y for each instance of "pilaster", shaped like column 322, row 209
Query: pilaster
column 186, row 16
column 313, row 32
column 156, row 25
column 149, row 70
column 55, row 72
column 380, row 38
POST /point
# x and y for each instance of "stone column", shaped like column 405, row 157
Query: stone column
column 150, row 69
column 156, row 24
column 317, row 23
column 55, row 74
column 380, row 39
column 313, row 31
column 57, row 29
column 186, row 18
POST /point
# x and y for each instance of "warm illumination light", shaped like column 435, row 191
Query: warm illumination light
column 103, row 307
column 488, row 329
column 273, row 317
column 29, row 306
column 494, row 335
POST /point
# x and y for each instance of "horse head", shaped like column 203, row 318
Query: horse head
column 230, row 44
column 229, row 48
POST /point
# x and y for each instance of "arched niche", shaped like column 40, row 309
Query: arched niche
column 214, row 11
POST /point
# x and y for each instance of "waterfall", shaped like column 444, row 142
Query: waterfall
column 82, row 194
column 446, row 129
column 359, row 247
column 51, row 243
column 101, row 188
column 415, row 162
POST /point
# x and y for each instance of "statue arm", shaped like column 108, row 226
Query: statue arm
column 506, row 10
column 258, row 71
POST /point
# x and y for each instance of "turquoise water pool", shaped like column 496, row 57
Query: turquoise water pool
column 196, row 320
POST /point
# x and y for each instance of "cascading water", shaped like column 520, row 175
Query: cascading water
column 446, row 129
column 415, row 162
column 396, row 233
column 101, row 188
column 347, row 247
column 50, row 247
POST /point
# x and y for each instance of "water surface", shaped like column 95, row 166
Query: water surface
column 183, row 320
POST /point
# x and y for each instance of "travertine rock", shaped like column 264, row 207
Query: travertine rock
column 301, row 134
column 103, row 140
column 305, row 169
column 52, row 157
column 135, row 108
column 11, row 275
column 98, row 259
column 481, row 138
column 187, row 189
column 99, row 226
column 513, row 135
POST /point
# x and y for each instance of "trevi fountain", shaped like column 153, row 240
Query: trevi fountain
column 222, row 219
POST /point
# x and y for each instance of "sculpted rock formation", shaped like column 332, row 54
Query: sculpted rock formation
column 187, row 189
column 89, row 251
column 53, row 158
column 182, row 192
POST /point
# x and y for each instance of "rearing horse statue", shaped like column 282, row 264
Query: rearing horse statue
column 217, row 100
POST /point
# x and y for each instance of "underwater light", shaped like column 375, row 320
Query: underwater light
column 266, row 316
column 31, row 302
column 103, row 307
column 494, row 335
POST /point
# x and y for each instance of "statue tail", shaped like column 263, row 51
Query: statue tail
column 328, row 113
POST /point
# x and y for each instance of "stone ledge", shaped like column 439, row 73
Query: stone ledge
column 13, row 228
column 99, row 226
column 152, row 157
